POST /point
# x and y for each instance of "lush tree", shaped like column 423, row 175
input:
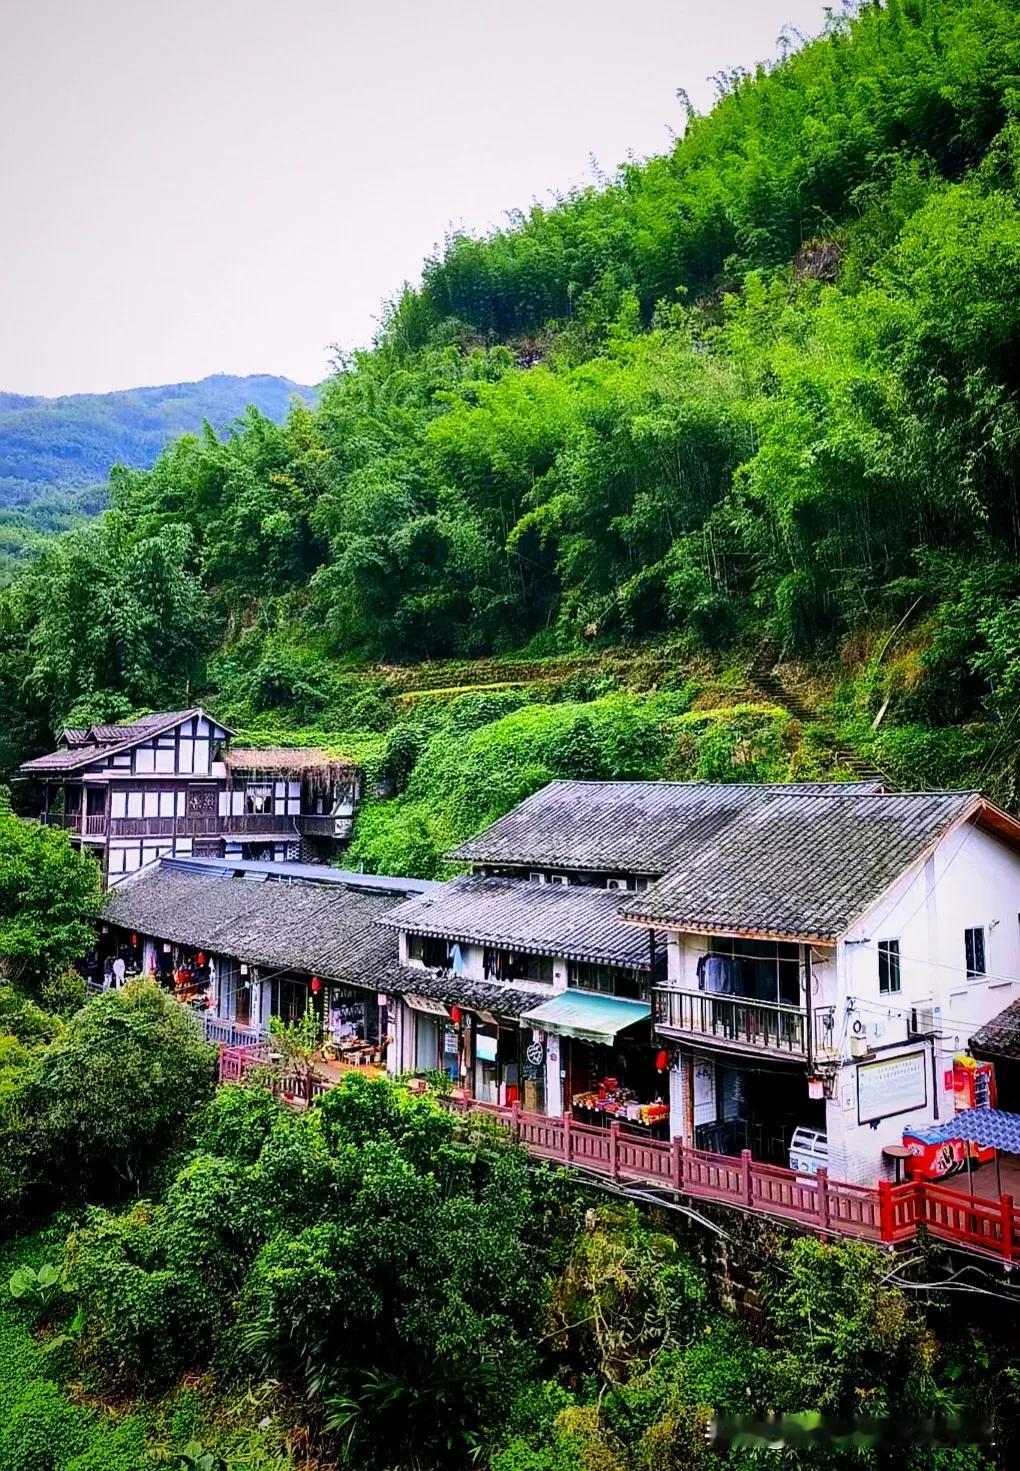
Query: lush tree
column 50, row 895
column 120, row 1088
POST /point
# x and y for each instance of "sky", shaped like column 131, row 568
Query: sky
column 199, row 186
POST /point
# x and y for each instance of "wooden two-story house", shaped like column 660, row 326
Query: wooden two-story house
column 172, row 783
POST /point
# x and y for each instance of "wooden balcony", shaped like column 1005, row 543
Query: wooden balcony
column 70, row 821
column 737, row 1024
column 153, row 827
column 325, row 825
column 259, row 823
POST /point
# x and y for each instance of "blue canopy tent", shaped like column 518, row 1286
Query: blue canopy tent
column 988, row 1128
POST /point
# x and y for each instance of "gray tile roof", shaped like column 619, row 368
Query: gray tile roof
column 1000, row 1037
column 501, row 1000
column 799, row 865
column 576, row 921
column 640, row 827
column 105, row 739
column 317, row 928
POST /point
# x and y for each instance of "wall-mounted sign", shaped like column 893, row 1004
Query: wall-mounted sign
column 535, row 1054
column 892, row 1085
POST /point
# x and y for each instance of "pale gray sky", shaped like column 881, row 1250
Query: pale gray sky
column 199, row 186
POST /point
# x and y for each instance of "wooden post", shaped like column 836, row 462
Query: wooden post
column 747, row 1187
column 1008, row 1244
column 614, row 1149
column 566, row 1138
column 678, row 1164
column 885, row 1211
column 822, row 1198
column 515, row 1119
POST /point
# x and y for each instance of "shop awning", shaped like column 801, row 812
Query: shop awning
column 427, row 1005
column 588, row 1015
column 989, row 1128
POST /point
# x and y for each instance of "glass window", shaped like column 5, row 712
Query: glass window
column 888, row 966
column 974, row 944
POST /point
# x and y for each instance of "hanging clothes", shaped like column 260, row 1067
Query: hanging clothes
column 719, row 975
column 457, row 960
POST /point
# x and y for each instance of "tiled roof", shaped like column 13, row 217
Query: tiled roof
column 87, row 746
column 576, row 921
column 1001, row 1035
column 317, row 928
column 641, row 827
column 65, row 760
column 500, row 1000
column 800, row 865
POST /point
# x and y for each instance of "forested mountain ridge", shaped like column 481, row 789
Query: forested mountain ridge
column 74, row 440
column 764, row 386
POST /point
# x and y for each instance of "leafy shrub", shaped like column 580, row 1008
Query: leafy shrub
column 237, row 1122
column 120, row 1088
column 41, row 1431
column 37, row 1287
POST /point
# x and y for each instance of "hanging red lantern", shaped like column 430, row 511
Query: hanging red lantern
column 134, row 939
column 662, row 1061
column 455, row 1014
column 316, row 985
column 200, row 958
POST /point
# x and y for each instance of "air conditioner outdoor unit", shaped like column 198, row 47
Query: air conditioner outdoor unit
column 859, row 1045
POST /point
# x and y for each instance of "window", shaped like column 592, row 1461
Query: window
column 429, row 950
column 611, row 979
column 888, row 966
column 974, row 944
column 507, row 965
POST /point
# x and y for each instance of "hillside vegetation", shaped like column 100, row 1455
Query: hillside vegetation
column 56, row 453
column 762, row 387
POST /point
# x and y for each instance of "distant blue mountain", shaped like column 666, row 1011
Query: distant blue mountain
column 65, row 444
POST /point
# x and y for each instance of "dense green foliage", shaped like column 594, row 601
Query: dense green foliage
column 406, row 1288
column 61, row 443
column 91, row 1107
column 50, row 894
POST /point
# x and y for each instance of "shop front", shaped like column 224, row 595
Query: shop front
column 607, row 1065
column 734, row 1107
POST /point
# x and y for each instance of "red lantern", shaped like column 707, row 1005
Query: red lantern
column 455, row 1014
column 134, row 939
column 662, row 1061
column 200, row 958
column 316, row 985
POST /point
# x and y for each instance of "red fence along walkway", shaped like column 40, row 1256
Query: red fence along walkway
column 884, row 1212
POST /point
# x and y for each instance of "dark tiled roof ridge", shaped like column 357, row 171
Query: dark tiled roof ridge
column 84, row 755
column 813, row 883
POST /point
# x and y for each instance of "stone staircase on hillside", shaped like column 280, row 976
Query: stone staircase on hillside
column 762, row 675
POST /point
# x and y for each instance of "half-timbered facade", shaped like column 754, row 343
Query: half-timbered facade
column 172, row 783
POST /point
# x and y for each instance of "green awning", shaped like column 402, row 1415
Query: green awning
column 588, row 1015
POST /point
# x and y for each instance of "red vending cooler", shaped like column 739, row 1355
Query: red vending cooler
column 934, row 1159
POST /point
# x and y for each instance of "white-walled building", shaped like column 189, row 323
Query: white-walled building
column 846, row 946
column 173, row 783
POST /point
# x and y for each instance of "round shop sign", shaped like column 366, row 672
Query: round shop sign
column 535, row 1053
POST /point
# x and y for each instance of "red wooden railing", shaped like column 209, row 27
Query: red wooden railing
column 885, row 1213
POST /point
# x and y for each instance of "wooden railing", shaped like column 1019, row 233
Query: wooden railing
column 886, row 1213
column 733, row 1020
column 208, row 825
column 325, row 825
column 232, row 1034
column 260, row 822
column 69, row 820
